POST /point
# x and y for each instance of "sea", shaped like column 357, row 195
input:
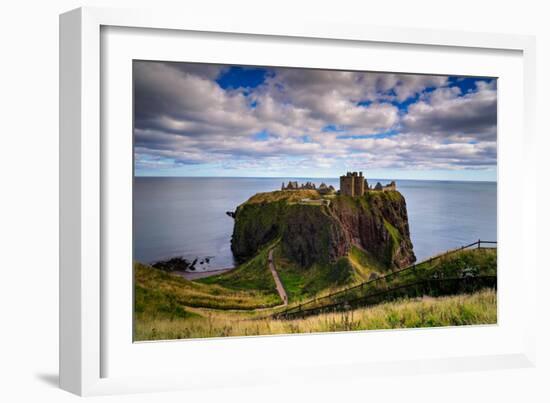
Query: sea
column 186, row 216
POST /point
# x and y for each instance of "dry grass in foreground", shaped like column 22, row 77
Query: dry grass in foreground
column 468, row 309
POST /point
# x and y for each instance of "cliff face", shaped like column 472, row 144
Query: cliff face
column 256, row 224
column 311, row 234
column 376, row 222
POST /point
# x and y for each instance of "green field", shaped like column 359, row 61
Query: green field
column 456, row 310
column 252, row 275
column 241, row 301
column 157, row 292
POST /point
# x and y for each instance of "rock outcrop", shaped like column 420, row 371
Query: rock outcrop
column 311, row 234
column 376, row 222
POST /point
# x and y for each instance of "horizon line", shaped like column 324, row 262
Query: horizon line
column 312, row 177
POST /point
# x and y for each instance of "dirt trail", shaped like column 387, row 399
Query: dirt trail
column 278, row 283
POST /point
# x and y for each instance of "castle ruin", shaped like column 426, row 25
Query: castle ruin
column 354, row 184
column 390, row 186
column 351, row 184
column 324, row 189
column 293, row 185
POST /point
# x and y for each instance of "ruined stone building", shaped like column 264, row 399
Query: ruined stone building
column 293, row 185
column 389, row 187
column 324, row 189
column 353, row 184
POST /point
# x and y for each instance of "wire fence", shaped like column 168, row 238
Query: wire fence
column 430, row 287
column 366, row 291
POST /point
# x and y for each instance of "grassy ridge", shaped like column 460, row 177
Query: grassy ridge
column 365, row 264
column 156, row 291
column 301, row 283
column 304, row 283
column 465, row 263
column 288, row 196
column 471, row 309
column 252, row 275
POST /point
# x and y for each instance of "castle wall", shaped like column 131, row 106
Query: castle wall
column 390, row 186
column 347, row 185
column 354, row 184
column 358, row 185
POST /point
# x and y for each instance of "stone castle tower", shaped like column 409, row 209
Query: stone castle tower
column 352, row 184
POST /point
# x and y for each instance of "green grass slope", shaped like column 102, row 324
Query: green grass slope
column 157, row 291
column 467, row 263
column 479, row 308
column 301, row 283
column 252, row 275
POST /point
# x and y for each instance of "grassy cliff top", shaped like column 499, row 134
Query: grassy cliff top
column 294, row 196
column 291, row 196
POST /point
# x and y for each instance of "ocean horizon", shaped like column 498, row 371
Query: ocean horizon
column 309, row 178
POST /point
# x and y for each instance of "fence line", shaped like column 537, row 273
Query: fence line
column 471, row 283
column 303, row 306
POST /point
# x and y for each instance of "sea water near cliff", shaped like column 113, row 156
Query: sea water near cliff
column 187, row 216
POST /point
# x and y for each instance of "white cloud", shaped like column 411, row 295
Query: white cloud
column 182, row 116
column 448, row 113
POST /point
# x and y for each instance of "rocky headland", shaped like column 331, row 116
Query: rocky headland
column 313, row 228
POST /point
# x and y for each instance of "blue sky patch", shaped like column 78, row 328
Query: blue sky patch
column 261, row 136
column 467, row 84
column 332, row 128
column 242, row 77
column 364, row 103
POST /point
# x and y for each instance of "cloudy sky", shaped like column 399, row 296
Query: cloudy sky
column 213, row 120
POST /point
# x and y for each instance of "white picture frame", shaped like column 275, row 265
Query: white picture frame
column 88, row 180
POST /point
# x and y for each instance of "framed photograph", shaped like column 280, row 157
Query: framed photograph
column 234, row 194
